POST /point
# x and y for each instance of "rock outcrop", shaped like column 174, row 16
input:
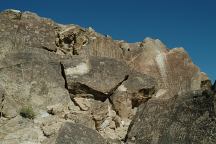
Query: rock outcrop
column 185, row 118
column 67, row 84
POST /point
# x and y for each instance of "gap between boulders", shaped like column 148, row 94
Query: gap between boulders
column 78, row 90
column 2, row 106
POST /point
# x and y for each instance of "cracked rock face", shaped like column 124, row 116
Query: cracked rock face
column 31, row 78
column 96, row 73
column 83, row 87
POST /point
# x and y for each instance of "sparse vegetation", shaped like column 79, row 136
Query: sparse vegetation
column 27, row 112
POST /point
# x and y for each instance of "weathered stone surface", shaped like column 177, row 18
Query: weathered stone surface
column 86, row 42
column 31, row 77
column 78, row 134
column 187, row 118
column 83, row 103
column 51, row 128
column 172, row 68
column 45, row 65
column 137, row 89
column 101, row 78
column 150, row 56
column 83, row 118
column 28, row 29
column 94, row 75
column 19, row 130
column 103, row 47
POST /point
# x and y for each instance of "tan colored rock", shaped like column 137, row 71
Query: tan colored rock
column 56, row 109
column 19, row 130
column 137, row 89
column 172, row 68
column 83, row 103
column 100, row 112
column 78, row 134
column 51, row 127
column 117, row 133
column 123, row 104
column 28, row 29
column 108, row 82
column 81, row 117
column 94, row 75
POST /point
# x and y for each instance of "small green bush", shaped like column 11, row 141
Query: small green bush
column 27, row 112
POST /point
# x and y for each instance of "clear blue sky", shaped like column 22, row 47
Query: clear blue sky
column 178, row 23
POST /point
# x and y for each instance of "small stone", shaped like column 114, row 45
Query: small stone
column 83, row 103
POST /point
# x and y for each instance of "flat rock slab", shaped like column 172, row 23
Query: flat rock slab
column 96, row 74
column 78, row 134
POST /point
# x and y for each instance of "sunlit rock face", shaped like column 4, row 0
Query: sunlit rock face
column 80, row 86
column 173, row 68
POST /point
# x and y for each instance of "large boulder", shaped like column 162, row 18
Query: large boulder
column 31, row 81
column 94, row 75
column 185, row 118
column 31, row 77
column 173, row 68
column 78, row 134
column 31, row 85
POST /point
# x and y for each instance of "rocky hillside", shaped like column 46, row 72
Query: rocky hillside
column 64, row 84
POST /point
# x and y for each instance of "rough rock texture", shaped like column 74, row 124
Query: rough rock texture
column 172, row 68
column 84, row 87
column 78, row 134
column 186, row 118
column 75, row 40
column 98, row 74
column 28, row 29
column 31, row 78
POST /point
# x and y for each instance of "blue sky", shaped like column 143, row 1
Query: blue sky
column 178, row 23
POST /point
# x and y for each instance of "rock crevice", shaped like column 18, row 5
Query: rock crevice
column 2, row 105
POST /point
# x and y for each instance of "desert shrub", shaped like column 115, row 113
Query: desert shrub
column 27, row 112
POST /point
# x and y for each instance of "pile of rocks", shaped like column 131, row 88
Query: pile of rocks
column 79, row 86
